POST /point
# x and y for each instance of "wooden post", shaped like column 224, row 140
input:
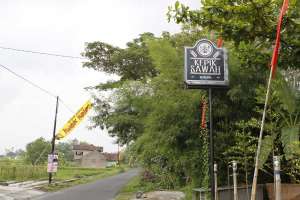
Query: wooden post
column 53, row 135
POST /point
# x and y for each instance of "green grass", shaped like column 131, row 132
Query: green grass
column 133, row 186
column 15, row 170
column 136, row 184
column 22, row 172
column 130, row 189
column 79, row 176
column 188, row 191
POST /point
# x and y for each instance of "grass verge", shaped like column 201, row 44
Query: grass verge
column 136, row 184
column 69, row 177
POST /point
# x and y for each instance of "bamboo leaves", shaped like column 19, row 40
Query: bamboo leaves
column 290, row 138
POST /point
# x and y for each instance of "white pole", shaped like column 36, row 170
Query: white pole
column 234, row 168
column 276, row 163
column 254, row 183
column 216, row 180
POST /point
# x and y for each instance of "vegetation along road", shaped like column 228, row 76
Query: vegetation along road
column 105, row 189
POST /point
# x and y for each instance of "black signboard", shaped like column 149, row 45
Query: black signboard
column 205, row 65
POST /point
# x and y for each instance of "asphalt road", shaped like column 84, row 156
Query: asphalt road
column 104, row 189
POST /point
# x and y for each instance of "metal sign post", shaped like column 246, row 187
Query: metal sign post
column 205, row 66
column 211, row 148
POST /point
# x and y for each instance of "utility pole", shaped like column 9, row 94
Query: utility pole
column 53, row 137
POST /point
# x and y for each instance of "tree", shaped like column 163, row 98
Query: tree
column 154, row 113
column 131, row 63
column 11, row 153
column 65, row 151
column 251, row 27
column 37, row 151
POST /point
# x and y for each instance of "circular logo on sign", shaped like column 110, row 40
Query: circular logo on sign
column 205, row 49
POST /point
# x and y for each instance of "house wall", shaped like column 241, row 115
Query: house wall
column 94, row 160
column 78, row 154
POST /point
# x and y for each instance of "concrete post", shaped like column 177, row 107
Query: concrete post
column 216, row 180
column 276, row 163
column 234, row 168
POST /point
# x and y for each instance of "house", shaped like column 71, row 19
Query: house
column 111, row 158
column 90, row 156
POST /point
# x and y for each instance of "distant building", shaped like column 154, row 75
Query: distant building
column 111, row 158
column 91, row 156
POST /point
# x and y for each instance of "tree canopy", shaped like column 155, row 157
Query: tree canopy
column 150, row 110
column 37, row 151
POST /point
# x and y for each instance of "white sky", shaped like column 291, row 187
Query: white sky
column 62, row 27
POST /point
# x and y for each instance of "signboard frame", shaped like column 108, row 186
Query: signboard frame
column 52, row 163
column 206, row 83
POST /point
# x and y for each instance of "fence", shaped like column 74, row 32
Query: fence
column 226, row 193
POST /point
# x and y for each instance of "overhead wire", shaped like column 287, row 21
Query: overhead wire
column 28, row 81
column 67, row 107
column 42, row 53
column 36, row 86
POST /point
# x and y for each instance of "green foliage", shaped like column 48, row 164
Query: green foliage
column 37, row 151
column 243, row 150
column 22, row 172
column 131, row 63
column 290, row 138
column 171, row 145
column 135, row 185
column 251, row 27
column 150, row 109
column 11, row 153
column 65, row 153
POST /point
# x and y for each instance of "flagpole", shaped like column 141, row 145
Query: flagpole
column 254, row 183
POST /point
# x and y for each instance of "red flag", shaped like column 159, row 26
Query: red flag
column 219, row 42
column 277, row 43
column 203, row 115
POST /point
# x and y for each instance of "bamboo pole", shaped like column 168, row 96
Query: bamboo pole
column 254, row 183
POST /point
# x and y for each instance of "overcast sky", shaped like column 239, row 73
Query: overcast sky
column 62, row 27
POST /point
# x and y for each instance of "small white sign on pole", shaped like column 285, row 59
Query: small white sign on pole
column 52, row 163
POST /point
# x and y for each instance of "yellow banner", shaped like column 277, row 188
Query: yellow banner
column 74, row 121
